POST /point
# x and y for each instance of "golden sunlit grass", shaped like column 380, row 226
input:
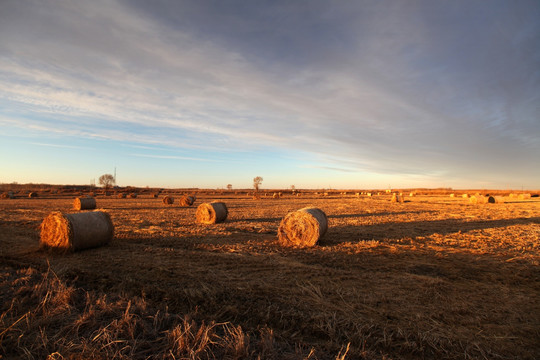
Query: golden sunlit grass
column 433, row 277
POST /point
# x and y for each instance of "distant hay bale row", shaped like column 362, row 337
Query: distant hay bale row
column 211, row 213
column 84, row 203
column 74, row 232
column 302, row 228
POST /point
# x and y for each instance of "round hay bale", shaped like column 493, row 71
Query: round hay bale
column 84, row 203
column 303, row 228
column 452, row 195
column 155, row 195
column 187, row 200
column 74, row 232
column 168, row 200
column 121, row 195
column 524, row 196
column 7, row 195
column 133, row 195
column 495, row 200
column 32, row 195
column 211, row 213
column 477, row 199
column 397, row 198
column 465, row 196
column 275, row 196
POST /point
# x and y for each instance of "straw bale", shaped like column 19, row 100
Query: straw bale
column 168, row 200
column 303, row 228
column 495, row 199
column 187, row 200
column 8, row 195
column 524, row 196
column 452, row 195
column 397, row 198
column 275, row 195
column 211, row 213
column 121, row 195
column 133, row 195
column 74, row 232
column 32, row 195
column 465, row 196
column 477, row 199
column 84, row 203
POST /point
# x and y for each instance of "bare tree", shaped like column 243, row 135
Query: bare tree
column 256, row 182
column 229, row 187
column 107, row 181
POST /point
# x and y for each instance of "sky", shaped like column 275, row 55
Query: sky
column 315, row 94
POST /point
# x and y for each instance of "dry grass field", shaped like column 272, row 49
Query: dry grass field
column 431, row 278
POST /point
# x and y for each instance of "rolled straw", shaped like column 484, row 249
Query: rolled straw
column 168, row 200
column 74, row 232
column 477, row 199
column 84, row 203
column 495, row 199
column 187, row 200
column 211, row 213
column 303, row 228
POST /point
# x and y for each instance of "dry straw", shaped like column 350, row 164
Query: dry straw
column 495, row 199
column 187, row 200
column 477, row 199
column 74, row 232
column 84, row 203
column 32, row 195
column 211, row 213
column 8, row 195
column 168, row 200
column 303, row 228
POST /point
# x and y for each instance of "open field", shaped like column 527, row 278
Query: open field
column 434, row 278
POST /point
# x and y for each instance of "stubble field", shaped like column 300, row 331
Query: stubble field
column 434, row 278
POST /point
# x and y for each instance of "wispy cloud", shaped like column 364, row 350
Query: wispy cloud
column 59, row 146
column 172, row 157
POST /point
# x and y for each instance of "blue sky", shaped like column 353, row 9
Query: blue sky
column 316, row 94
